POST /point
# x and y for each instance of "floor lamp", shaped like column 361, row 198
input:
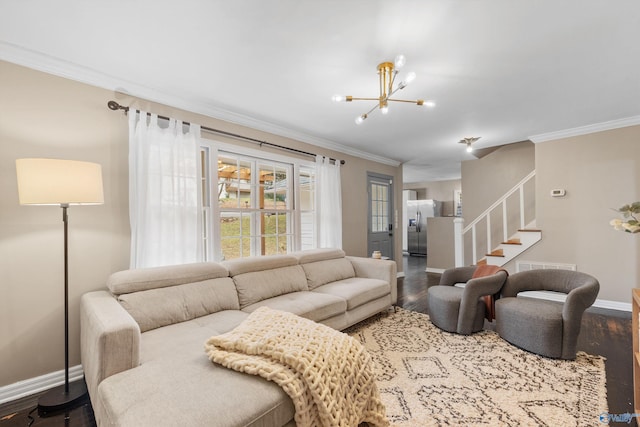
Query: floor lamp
column 62, row 183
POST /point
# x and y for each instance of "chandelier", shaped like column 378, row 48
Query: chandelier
column 387, row 72
column 468, row 141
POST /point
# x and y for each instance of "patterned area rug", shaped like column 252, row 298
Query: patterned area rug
column 428, row 377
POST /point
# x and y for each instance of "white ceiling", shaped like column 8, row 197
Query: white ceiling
column 504, row 70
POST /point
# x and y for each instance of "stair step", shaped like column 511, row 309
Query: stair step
column 483, row 261
column 530, row 230
column 497, row 252
column 512, row 242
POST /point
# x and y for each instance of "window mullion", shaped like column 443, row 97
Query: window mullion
column 255, row 211
column 215, row 206
column 296, row 216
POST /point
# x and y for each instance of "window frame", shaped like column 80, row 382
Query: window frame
column 212, row 150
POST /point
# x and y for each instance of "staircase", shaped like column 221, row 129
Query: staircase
column 511, row 246
column 506, row 251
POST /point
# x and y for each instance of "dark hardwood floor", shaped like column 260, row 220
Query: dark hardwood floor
column 604, row 332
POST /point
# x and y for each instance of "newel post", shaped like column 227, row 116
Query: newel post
column 458, row 241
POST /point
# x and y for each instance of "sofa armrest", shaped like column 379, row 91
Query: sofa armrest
column 377, row 269
column 109, row 338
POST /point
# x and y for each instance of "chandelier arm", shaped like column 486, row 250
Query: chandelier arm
column 404, row 100
column 394, row 73
column 353, row 98
column 396, row 89
column 375, row 107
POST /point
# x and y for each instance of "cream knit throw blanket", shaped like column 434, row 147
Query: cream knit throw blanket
column 328, row 375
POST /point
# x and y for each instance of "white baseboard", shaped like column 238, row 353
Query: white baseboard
column 560, row 297
column 35, row 385
column 435, row 270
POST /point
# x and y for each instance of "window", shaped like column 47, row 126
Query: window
column 257, row 206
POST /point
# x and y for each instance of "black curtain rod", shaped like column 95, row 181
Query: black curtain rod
column 113, row 105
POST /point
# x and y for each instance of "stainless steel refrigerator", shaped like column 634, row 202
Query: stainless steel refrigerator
column 418, row 212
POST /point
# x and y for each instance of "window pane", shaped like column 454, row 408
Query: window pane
column 235, row 224
column 230, row 224
column 307, row 230
column 282, row 223
column 275, row 245
column 235, row 247
column 266, row 175
column 234, row 178
column 282, row 188
column 307, row 190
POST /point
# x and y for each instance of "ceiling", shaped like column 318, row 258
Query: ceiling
column 504, row 70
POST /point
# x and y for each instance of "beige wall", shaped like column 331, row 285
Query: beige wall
column 440, row 243
column 437, row 190
column 486, row 180
column 46, row 116
column 599, row 171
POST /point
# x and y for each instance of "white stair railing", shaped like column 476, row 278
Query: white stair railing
column 459, row 232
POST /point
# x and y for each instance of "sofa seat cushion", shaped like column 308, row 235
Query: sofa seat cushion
column 356, row 290
column 187, row 337
column 310, row 305
column 189, row 390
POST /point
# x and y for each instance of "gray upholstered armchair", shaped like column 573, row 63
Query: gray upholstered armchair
column 462, row 309
column 545, row 327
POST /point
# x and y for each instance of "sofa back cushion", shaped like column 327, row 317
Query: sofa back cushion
column 322, row 266
column 259, row 278
column 314, row 255
column 160, row 296
column 322, row 272
column 159, row 307
column 141, row 279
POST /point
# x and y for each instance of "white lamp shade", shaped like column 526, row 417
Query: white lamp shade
column 58, row 182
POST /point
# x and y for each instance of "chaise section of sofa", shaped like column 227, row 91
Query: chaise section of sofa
column 143, row 338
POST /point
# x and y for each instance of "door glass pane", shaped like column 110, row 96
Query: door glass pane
column 379, row 208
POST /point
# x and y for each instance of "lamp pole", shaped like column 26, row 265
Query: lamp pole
column 64, row 396
column 65, row 220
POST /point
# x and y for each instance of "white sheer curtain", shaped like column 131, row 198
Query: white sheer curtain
column 166, row 226
column 329, row 203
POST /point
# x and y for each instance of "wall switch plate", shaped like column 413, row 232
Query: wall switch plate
column 558, row 192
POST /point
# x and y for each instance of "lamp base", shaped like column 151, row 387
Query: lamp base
column 57, row 400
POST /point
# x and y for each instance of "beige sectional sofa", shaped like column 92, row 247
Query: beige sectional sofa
column 142, row 341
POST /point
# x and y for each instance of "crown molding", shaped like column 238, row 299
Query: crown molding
column 584, row 130
column 52, row 65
